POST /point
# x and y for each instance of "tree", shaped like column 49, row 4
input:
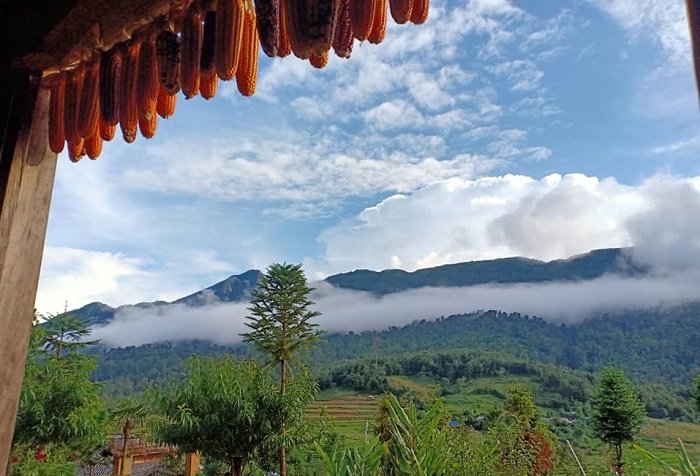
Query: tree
column 128, row 414
column 281, row 324
column 696, row 394
column 230, row 412
column 617, row 412
column 60, row 409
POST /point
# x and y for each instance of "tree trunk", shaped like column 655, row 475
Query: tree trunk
column 127, row 437
column 618, row 460
column 283, row 390
column 237, row 466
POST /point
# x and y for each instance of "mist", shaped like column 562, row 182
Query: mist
column 344, row 310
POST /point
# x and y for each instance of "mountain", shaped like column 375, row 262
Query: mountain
column 501, row 271
column 232, row 289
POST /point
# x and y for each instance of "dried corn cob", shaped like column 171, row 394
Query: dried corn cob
column 191, row 52
column 128, row 104
column 284, row 47
column 267, row 13
column 208, row 83
column 148, row 83
column 401, row 10
column 321, row 22
column 88, row 110
column 297, row 28
column 57, row 136
column 379, row 23
column 166, row 104
column 319, row 61
column 206, row 61
column 110, row 89
column 93, row 146
column 229, row 33
column 419, row 12
column 343, row 37
column 71, row 113
column 247, row 74
column 107, row 131
column 76, row 149
column 168, row 53
column 148, row 123
column 362, row 18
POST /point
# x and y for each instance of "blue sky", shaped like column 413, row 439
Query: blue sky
column 536, row 128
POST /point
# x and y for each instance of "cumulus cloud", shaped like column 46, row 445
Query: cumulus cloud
column 554, row 217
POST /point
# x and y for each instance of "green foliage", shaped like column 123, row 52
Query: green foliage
column 617, row 412
column 696, row 393
column 280, row 323
column 60, row 408
column 56, row 462
column 66, row 333
column 363, row 461
column 231, row 412
column 686, row 466
column 416, row 443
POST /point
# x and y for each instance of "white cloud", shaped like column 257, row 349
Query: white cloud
column 557, row 216
column 343, row 310
column 394, row 114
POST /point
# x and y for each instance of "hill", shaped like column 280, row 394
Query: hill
column 503, row 271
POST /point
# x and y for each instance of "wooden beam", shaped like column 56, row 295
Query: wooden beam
column 27, row 170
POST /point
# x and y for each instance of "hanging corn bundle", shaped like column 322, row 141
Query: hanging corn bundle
column 189, row 49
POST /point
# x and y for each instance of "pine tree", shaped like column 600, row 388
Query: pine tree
column 617, row 412
column 280, row 323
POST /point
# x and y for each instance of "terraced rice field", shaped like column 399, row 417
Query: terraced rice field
column 352, row 415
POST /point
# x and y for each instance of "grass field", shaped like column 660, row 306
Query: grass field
column 354, row 414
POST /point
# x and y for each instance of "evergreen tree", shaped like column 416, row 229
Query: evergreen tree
column 617, row 412
column 696, row 395
column 280, row 323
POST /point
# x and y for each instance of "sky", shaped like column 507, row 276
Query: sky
column 534, row 128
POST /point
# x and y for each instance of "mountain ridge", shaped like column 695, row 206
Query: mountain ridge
column 512, row 270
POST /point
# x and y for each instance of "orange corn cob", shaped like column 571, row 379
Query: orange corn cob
column 110, row 89
column 319, row 61
column 74, row 86
column 267, row 13
column 76, row 149
column 247, row 74
column 88, row 111
column 208, row 84
column 401, row 10
column 362, row 17
column 191, row 52
column 378, row 32
column 419, row 12
column 57, row 136
column 168, row 53
column 147, row 84
column 343, row 37
column 228, row 35
column 128, row 104
column 166, row 104
column 107, row 131
column 284, row 48
column 148, row 123
column 93, row 146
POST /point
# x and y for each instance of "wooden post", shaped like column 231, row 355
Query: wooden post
column 27, row 170
column 192, row 464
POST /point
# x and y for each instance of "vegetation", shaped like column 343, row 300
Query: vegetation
column 281, row 324
column 61, row 418
column 617, row 412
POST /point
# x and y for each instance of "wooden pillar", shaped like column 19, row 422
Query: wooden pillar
column 192, row 464
column 27, row 169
